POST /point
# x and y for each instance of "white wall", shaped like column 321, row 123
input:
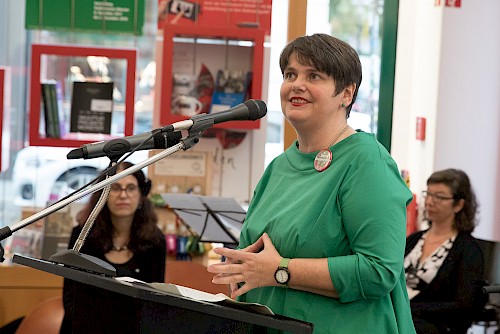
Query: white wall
column 448, row 71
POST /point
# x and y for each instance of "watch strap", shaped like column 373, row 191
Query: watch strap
column 284, row 263
column 283, row 266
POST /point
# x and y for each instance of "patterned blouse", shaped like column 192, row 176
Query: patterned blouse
column 420, row 274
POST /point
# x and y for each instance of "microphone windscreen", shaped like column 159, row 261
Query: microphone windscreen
column 77, row 153
column 256, row 109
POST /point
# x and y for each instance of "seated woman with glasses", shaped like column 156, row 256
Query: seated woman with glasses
column 444, row 264
column 124, row 234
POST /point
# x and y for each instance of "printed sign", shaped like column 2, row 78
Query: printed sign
column 109, row 16
column 227, row 13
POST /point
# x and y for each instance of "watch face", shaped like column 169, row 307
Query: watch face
column 281, row 276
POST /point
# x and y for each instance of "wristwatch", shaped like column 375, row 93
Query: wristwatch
column 282, row 274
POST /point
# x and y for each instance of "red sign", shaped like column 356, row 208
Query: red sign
column 420, row 128
column 227, row 13
column 453, row 3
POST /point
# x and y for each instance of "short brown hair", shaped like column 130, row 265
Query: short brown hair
column 329, row 55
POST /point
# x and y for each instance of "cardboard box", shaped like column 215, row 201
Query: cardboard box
column 182, row 172
column 166, row 220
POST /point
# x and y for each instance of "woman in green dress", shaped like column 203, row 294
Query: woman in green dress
column 324, row 236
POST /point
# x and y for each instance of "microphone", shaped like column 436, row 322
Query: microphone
column 250, row 110
column 169, row 135
column 115, row 148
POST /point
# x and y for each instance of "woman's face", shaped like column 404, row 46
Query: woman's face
column 308, row 96
column 124, row 197
column 440, row 205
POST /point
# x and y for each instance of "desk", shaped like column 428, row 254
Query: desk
column 21, row 288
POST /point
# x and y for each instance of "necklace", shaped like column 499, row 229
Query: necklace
column 340, row 134
column 119, row 248
column 324, row 157
column 441, row 239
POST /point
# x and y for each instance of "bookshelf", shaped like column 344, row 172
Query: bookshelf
column 216, row 48
column 40, row 65
column 2, row 106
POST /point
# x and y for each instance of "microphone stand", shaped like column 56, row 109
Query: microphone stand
column 78, row 260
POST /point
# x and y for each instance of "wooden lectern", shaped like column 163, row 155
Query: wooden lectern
column 104, row 305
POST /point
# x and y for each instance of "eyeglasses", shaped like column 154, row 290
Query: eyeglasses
column 130, row 189
column 436, row 197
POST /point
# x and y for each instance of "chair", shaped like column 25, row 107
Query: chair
column 45, row 318
column 488, row 316
column 192, row 275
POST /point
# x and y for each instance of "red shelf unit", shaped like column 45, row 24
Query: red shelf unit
column 38, row 50
column 2, row 89
column 256, row 36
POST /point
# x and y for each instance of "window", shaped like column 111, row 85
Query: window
column 360, row 23
column 356, row 22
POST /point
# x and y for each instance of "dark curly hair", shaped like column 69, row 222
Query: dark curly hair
column 143, row 224
column 329, row 55
column 459, row 183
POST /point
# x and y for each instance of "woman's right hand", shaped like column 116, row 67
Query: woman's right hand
column 254, row 266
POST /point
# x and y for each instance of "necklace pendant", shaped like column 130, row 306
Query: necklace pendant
column 120, row 248
column 323, row 160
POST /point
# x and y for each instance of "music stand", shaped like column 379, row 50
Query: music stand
column 214, row 219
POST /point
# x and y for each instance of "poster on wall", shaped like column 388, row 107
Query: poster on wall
column 227, row 13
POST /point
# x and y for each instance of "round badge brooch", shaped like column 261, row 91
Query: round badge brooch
column 323, row 160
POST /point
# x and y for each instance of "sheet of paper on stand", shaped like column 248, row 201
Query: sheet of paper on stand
column 184, row 291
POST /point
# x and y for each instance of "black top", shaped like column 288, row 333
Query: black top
column 454, row 296
column 148, row 266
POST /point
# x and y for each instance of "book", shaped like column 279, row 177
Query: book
column 61, row 114
column 179, row 290
column 50, row 108
column 232, row 87
column 91, row 107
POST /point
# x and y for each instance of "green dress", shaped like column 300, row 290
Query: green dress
column 353, row 213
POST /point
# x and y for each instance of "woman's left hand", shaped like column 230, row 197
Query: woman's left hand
column 253, row 266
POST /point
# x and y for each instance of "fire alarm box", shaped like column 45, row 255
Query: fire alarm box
column 420, row 128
